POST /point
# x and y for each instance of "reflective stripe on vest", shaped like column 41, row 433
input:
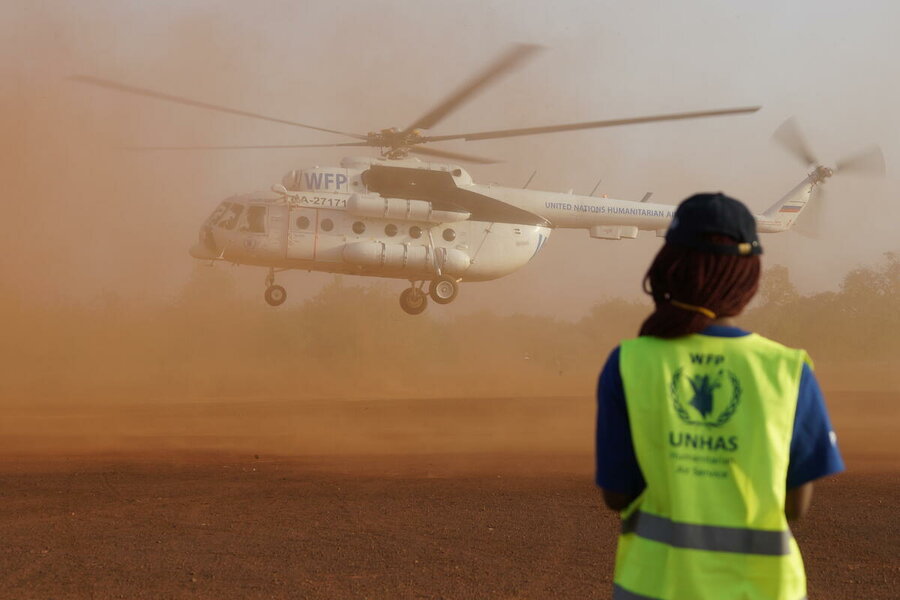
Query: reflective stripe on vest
column 707, row 537
column 620, row 593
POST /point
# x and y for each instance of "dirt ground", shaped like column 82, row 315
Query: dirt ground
column 453, row 498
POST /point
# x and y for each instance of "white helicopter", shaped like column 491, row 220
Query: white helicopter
column 403, row 218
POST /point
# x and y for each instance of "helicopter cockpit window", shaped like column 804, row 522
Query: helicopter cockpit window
column 216, row 215
column 256, row 220
column 230, row 218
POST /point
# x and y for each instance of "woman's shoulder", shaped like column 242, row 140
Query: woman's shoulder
column 769, row 347
column 774, row 345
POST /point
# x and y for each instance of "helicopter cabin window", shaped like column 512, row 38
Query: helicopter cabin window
column 415, row 232
column 256, row 220
column 327, row 225
column 302, row 223
column 359, row 227
column 449, row 235
column 390, row 230
column 231, row 216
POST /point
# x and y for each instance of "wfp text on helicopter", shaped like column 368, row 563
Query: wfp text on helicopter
column 429, row 222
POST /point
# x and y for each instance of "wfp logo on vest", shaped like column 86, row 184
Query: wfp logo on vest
column 705, row 394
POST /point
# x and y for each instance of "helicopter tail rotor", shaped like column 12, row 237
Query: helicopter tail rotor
column 792, row 139
column 867, row 162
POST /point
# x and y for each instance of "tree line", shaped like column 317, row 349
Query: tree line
column 353, row 341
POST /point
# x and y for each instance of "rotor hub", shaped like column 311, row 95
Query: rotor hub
column 394, row 142
column 822, row 173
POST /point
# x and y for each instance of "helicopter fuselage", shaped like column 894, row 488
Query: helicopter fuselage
column 321, row 231
column 418, row 221
column 407, row 219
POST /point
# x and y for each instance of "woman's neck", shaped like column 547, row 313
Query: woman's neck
column 724, row 322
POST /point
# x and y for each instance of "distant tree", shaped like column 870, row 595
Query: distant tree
column 892, row 273
column 208, row 285
column 868, row 303
column 776, row 287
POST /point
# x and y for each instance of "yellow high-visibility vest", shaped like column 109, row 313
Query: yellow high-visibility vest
column 711, row 422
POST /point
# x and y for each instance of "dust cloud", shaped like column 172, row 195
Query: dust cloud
column 348, row 372
column 114, row 339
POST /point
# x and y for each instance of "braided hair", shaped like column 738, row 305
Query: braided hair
column 689, row 285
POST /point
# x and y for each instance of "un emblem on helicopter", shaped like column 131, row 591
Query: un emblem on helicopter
column 705, row 398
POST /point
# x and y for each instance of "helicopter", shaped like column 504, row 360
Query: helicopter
column 396, row 216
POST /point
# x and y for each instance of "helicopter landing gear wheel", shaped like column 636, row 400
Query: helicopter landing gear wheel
column 413, row 300
column 275, row 295
column 443, row 290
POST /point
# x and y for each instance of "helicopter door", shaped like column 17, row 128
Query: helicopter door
column 278, row 229
column 304, row 223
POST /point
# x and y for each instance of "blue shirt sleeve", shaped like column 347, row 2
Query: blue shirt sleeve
column 617, row 465
column 814, row 451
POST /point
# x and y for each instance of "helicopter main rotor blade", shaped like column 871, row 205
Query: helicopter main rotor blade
column 867, row 162
column 505, row 133
column 452, row 155
column 507, row 61
column 792, row 140
column 269, row 147
column 121, row 87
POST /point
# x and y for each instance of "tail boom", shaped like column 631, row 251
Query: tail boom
column 782, row 215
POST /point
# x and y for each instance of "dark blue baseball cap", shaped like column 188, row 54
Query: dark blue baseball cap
column 703, row 215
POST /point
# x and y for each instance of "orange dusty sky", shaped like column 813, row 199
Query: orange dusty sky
column 84, row 218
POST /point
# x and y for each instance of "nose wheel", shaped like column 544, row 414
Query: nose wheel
column 275, row 294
